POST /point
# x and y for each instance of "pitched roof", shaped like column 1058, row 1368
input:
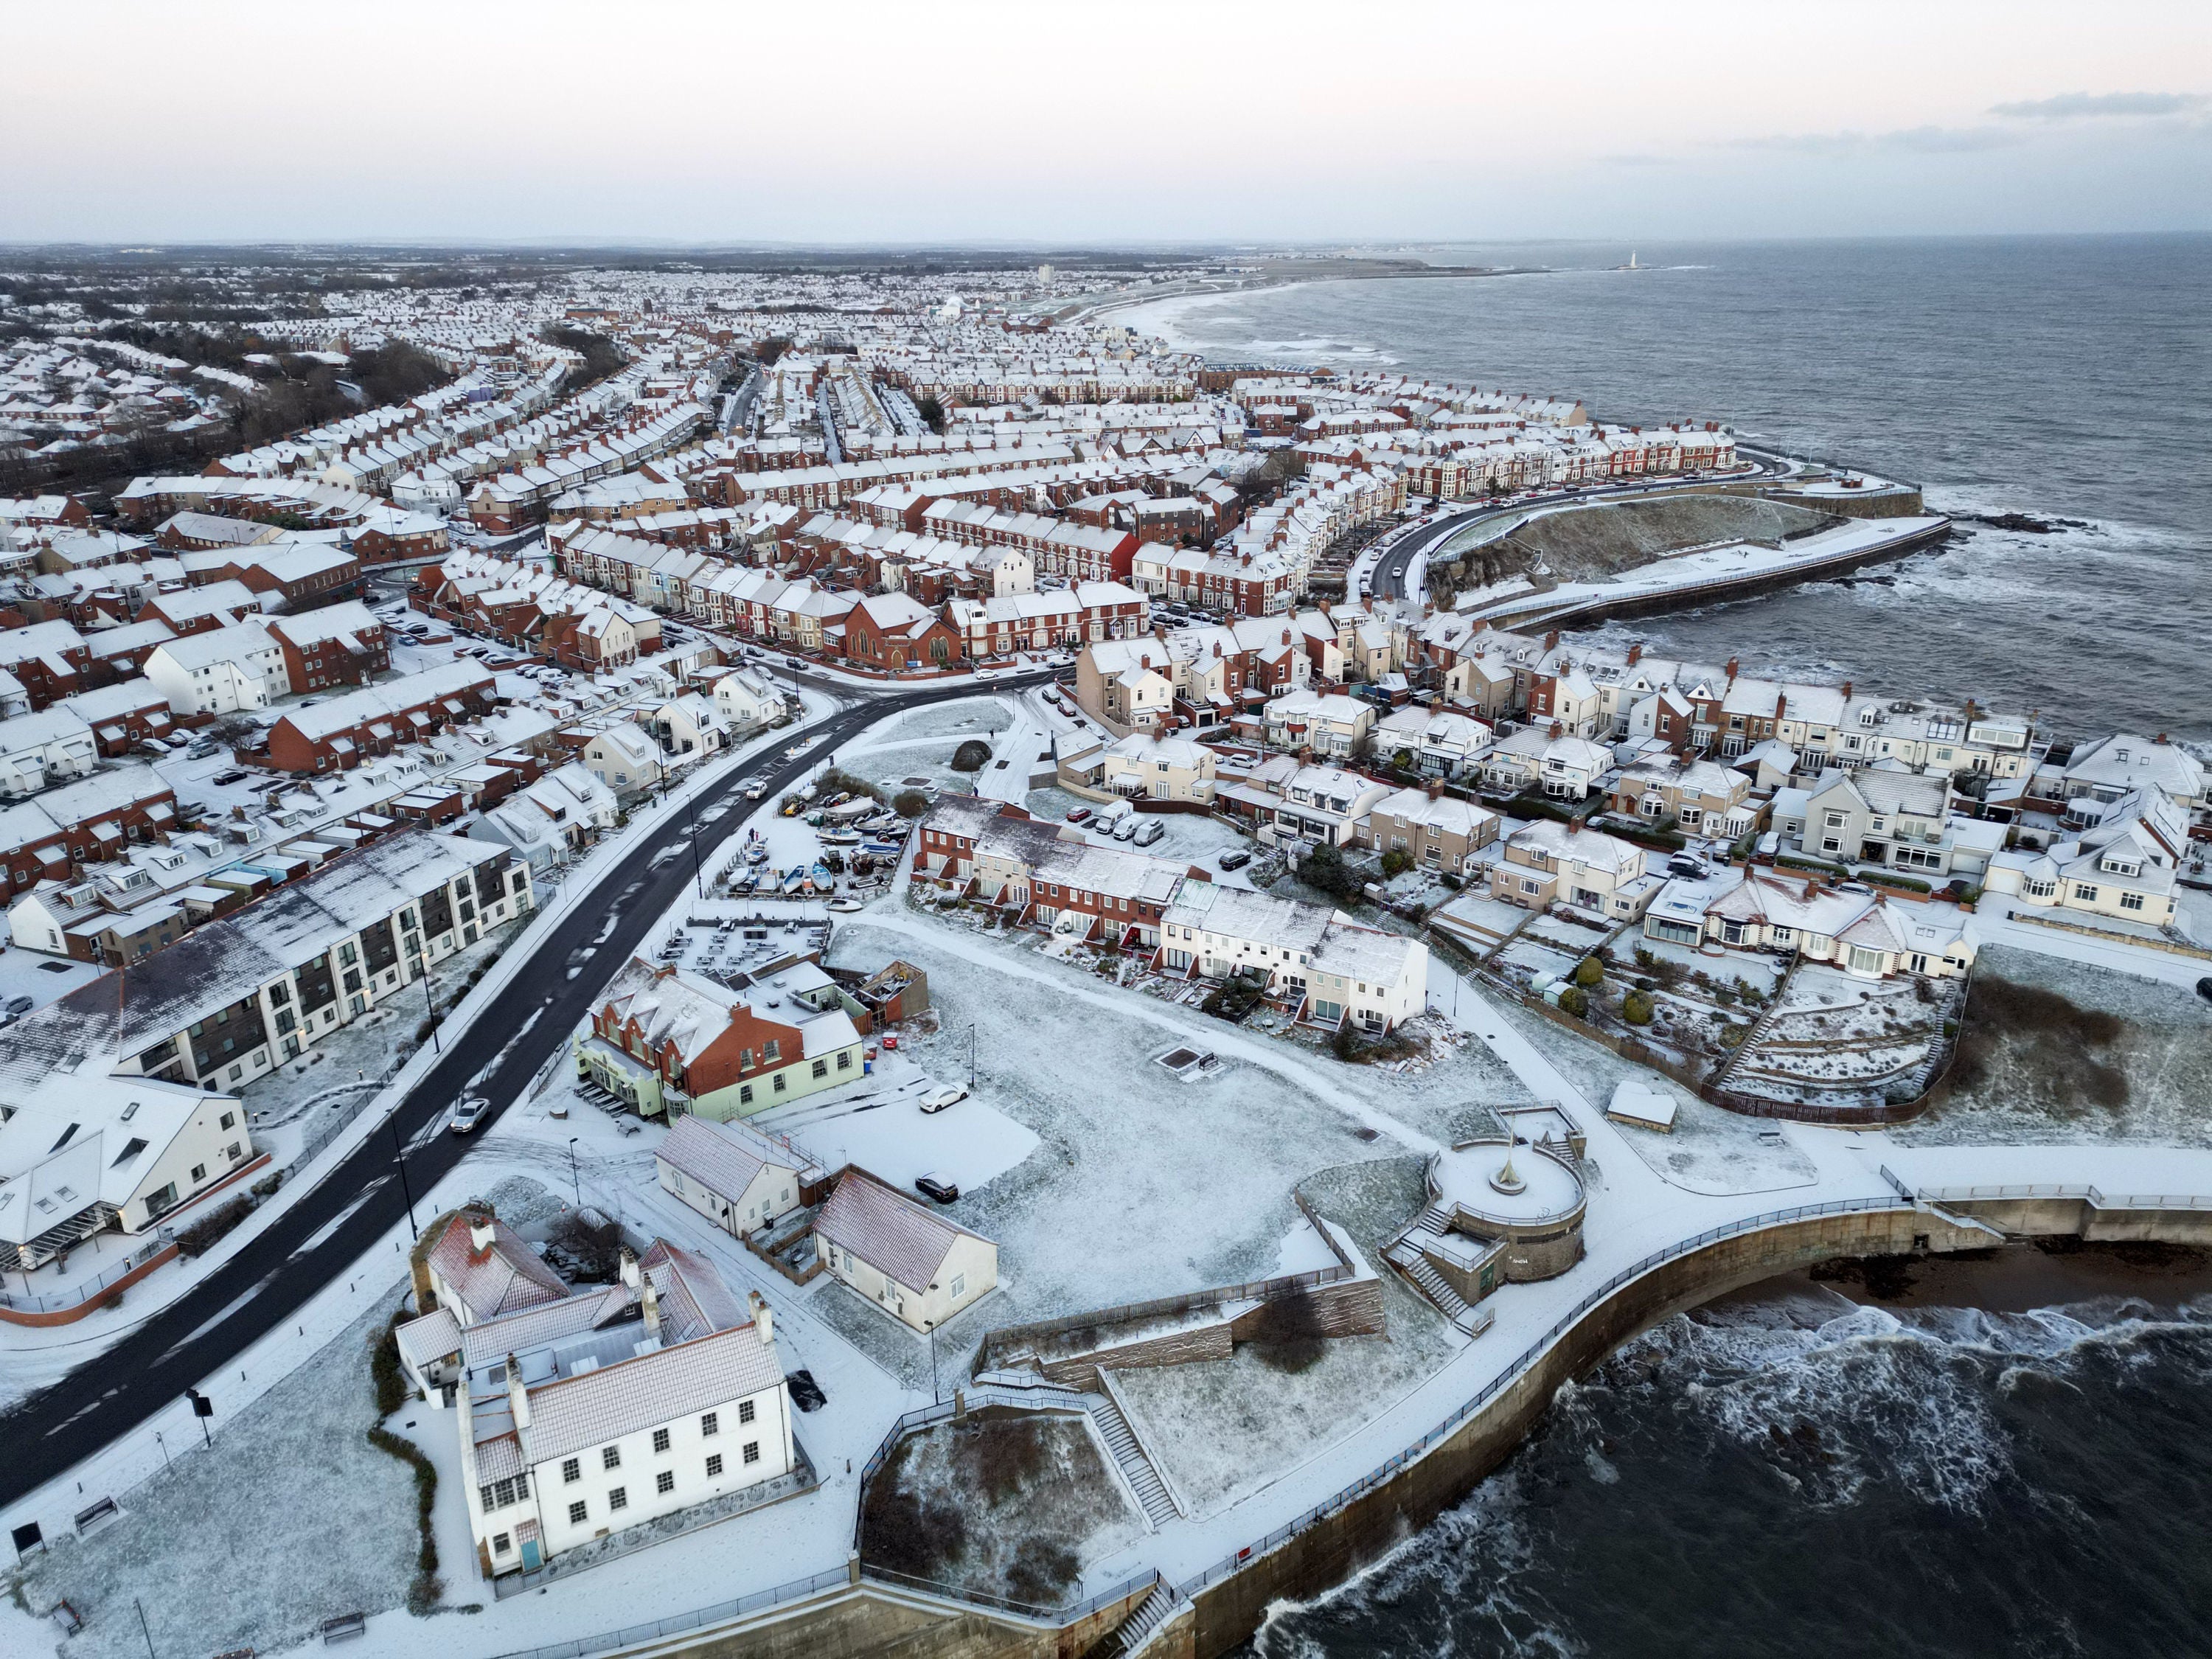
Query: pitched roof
column 890, row 1232
column 503, row 1278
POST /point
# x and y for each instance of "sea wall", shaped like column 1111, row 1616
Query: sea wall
column 871, row 1622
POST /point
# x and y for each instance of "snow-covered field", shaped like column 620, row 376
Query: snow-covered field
column 1141, row 1185
column 292, row 1518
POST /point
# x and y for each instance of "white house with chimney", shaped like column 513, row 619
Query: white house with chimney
column 594, row 1412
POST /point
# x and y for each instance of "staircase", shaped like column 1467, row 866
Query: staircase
column 1137, row 1629
column 1136, row 1466
column 1406, row 1256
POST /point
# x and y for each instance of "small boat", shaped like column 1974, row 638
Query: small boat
column 882, row 848
column 840, row 838
column 821, row 874
column 845, row 906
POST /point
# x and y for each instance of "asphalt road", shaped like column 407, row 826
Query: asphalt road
column 279, row 1272
column 1388, row 580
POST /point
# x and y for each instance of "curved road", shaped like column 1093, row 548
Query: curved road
column 196, row 1336
column 1388, row 580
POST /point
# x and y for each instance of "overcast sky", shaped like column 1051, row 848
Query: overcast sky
column 151, row 120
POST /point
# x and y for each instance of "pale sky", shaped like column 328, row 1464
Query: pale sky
column 477, row 120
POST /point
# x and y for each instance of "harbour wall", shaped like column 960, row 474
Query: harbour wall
column 874, row 1621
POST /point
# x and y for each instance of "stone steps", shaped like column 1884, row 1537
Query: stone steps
column 1136, row 1466
column 1137, row 1630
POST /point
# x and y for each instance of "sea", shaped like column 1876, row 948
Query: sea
column 2010, row 1457
column 2067, row 380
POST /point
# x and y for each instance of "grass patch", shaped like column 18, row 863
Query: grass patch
column 2052, row 1038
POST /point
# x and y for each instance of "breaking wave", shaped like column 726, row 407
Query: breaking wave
column 1788, row 1456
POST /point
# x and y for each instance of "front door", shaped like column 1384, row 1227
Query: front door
column 531, row 1558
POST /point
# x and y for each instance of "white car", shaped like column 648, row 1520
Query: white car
column 469, row 1112
column 938, row 1099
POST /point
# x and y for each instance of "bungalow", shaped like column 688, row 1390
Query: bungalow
column 908, row 1262
column 735, row 1176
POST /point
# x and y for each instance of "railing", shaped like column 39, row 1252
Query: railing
column 84, row 1291
column 2095, row 1197
column 1063, row 1615
column 798, row 1589
column 1513, row 1372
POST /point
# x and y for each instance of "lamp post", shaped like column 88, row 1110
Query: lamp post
column 399, row 1163
column 576, row 1181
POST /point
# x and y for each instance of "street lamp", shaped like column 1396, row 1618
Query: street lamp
column 399, row 1163
column 576, row 1181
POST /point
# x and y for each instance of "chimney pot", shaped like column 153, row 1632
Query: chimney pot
column 629, row 1271
column 649, row 1301
column 763, row 1317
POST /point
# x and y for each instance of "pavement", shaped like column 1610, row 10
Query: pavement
column 325, row 1230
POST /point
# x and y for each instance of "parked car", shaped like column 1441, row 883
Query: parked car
column 2203, row 990
column 756, row 789
column 937, row 1185
column 1150, row 831
column 1126, row 829
column 938, row 1099
column 1235, row 859
column 1078, row 815
column 470, row 1111
column 19, row 1006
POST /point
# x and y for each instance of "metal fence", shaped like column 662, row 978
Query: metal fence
column 798, row 1589
column 1513, row 1372
column 84, row 1291
column 1257, row 1290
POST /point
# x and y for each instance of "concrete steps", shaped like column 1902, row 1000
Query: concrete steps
column 1137, row 1630
column 1406, row 1256
column 1135, row 1463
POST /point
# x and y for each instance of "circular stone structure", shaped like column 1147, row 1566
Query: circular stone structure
column 1524, row 1197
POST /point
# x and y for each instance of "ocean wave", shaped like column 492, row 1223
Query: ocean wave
column 1836, row 1396
column 1460, row 1584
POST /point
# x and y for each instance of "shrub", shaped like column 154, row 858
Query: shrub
column 1589, row 972
column 1575, row 1000
column 112, row 1301
column 972, row 756
column 385, row 1375
column 204, row 1234
column 1325, row 870
column 1396, row 862
column 424, row 1593
column 1637, row 1008
column 910, row 804
column 268, row 1184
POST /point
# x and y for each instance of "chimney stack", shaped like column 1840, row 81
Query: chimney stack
column 649, row 1301
column 1635, row 653
column 1552, row 640
column 1436, row 789
column 1731, row 671
column 763, row 1317
column 518, row 1397
column 481, row 1233
column 629, row 1272
column 1847, row 690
